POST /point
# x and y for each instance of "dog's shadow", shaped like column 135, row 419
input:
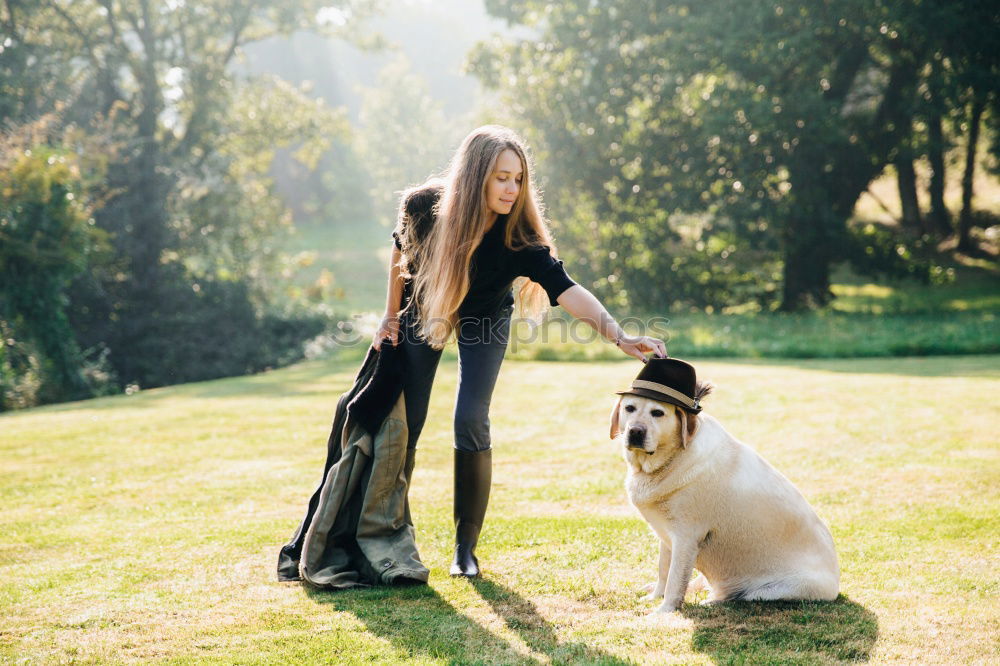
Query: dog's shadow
column 784, row 631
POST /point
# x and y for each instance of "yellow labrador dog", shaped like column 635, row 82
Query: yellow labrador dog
column 717, row 505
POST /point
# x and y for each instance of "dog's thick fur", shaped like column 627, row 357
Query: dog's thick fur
column 718, row 506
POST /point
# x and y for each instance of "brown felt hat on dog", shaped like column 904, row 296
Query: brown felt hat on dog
column 667, row 380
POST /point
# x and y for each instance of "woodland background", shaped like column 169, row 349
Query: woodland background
column 191, row 190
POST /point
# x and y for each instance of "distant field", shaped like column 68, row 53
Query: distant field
column 145, row 528
column 357, row 257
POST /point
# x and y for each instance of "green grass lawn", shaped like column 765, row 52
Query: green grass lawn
column 145, row 528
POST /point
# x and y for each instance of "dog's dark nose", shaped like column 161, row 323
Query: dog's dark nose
column 636, row 437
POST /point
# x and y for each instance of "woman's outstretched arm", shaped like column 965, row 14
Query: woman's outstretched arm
column 583, row 305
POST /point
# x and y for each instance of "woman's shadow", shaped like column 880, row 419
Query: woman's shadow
column 523, row 618
column 419, row 622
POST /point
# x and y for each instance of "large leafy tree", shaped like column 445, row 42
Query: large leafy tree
column 194, row 205
column 769, row 116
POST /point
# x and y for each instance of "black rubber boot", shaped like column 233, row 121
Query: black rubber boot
column 473, row 476
column 411, row 459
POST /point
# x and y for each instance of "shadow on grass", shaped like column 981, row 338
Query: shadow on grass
column 523, row 618
column 419, row 622
column 784, row 631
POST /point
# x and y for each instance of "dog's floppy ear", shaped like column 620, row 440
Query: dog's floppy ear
column 614, row 418
column 689, row 423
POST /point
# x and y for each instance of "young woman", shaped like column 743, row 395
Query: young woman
column 460, row 242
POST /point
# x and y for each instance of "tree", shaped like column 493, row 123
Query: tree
column 968, row 44
column 933, row 112
column 771, row 117
column 958, row 84
column 906, row 180
column 192, row 200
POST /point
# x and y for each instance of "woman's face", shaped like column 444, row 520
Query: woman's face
column 504, row 183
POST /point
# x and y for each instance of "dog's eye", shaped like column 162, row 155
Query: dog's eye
column 629, row 408
column 657, row 412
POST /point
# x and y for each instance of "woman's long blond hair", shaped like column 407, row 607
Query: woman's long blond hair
column 441, row 278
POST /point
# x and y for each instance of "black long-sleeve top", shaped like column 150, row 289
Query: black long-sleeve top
column 493, row 267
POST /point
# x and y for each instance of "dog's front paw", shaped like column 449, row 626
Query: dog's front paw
column 653, row 591
column 666, row 607
column 670, row 617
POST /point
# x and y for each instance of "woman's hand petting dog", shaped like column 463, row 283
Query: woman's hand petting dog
column 635, row 346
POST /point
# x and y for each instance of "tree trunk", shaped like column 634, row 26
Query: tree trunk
column 965, row 243
column 823, row 200
column 137, row 219
column 906, row 179
column 939, row 218
column 808, row 248
column 806, row 275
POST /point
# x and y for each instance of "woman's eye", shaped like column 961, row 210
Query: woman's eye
column 657, row 412
column 630, row 408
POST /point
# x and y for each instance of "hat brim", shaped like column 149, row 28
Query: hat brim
column 656, row 395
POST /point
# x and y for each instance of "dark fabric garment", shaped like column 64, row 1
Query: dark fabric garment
column 360, row 534
column 482, row 343
column 375, row 400
column 493, row 267
column 374, row 448
column 288, row 558
column 420, row 362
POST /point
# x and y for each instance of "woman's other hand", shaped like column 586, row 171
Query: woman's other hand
column 635, row 346
column 387, row 328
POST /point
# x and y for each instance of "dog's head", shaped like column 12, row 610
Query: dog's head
column 653, row 429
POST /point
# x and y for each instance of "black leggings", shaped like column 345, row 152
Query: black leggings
column 482, row 342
